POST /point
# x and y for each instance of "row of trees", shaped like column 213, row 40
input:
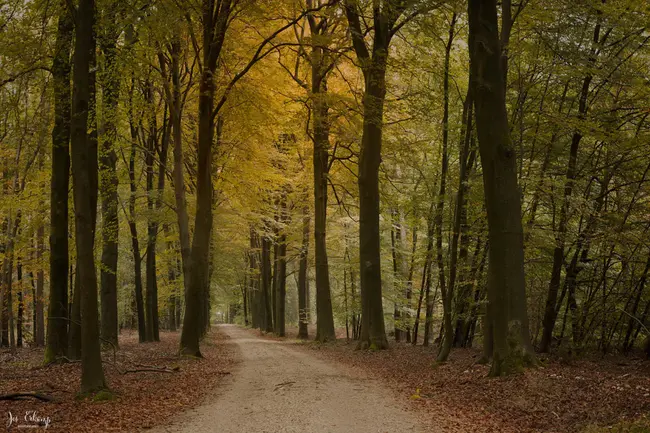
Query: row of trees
column 231, row 145
column 586, row 281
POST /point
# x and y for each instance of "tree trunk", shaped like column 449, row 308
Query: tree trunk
column 395, row 237
column 176, row 111
column 461, row 228
column 74, row 332
column 109, row 179
column 446, row 291
column 281, row 277
column 214, row 24
column 324, row 316
column 303, row 281
column 153, row 204
column 39, row 319
column 84, row 178
column 21, row 305
column 506, row 285
column 373, row 332
column 57, row 324
column 133, row 228
column 266, row 308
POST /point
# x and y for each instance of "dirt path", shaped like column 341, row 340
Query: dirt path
column 281, row 389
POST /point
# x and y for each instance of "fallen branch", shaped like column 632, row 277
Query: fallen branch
column 153, row 370
column 24, row 396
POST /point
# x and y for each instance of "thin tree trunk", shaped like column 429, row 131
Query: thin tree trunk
column 133, row 228
column 39, row 319
column 21, row 305
column 151, row 298
column 74, row 332
column 303, row 281
column 266, row 310
column 446, row 291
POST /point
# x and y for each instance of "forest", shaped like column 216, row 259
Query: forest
column 431, row 179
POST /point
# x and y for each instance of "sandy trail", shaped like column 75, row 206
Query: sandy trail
column 277, row 388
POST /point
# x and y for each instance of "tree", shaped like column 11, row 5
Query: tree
column 85, row 196
column 506, row 286
column 373, row 62
column 108, row 178
column 216, row 17
column 57, row 325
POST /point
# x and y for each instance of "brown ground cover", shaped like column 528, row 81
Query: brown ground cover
column 138, row 400
column 458, row 396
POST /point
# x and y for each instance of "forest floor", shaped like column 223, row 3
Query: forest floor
column 578, row 396
column 280, row 388
column 138, row 400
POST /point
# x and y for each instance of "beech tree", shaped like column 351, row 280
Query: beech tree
column 507, row 311
column 84, row 180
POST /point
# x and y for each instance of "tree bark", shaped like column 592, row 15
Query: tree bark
column 446, row 291
column 133, row 228
column 320, row 109
column 84, row 178
column 109, row 179
column 153, row 204
column 57, row 325
column 506, row 284
column 303, row 281
column 215, row 24
column 21, row 305
column 39, row 319
column 266, row 307
column 281, row 277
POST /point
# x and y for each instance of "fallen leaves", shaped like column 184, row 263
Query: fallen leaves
column 459, row 397
column 139, row 400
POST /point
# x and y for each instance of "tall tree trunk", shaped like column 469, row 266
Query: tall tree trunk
column 324, row 315
column 39, row 319
column 506, row 285
column 57, row 324
column 133, row 228
column 373, row 332
column 461, row 228
column 281, row 277
column 215, row 23
column 151, row 299
column 74, row 332
column 446, row 291
column 84, row 178
column 266, row 308
column 395, row 238
column 21, row 305
column 176, row 112
column 109, row 178
column 303, row 281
